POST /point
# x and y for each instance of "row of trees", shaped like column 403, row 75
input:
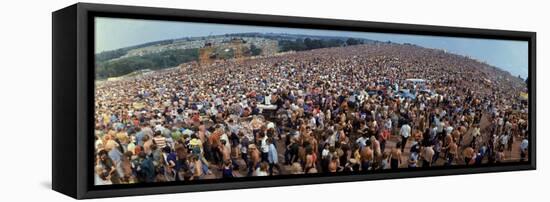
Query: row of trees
column 165, row 59
column 113, row 54
column 108, row 66
column 301, row 44
column 254, row 50
column 109, row 55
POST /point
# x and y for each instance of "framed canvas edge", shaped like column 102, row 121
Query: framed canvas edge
column 85, row 75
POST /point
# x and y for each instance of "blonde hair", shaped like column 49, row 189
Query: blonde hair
column 110, row 145
column 296, row 168
column 98, row 169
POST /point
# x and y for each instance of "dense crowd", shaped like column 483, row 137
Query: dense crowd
column 347, row 109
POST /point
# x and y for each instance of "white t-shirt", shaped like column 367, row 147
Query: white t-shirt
column 388, row 124
column 260, row 173
column 312, row 122
column 406, row 130
column 268, row 99
column 332, row 139
column 504, row 139
column 265, row 146
column 449, row 130
column 325, row 153
column 97, row 143
column 362, row 141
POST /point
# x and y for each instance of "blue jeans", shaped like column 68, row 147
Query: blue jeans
column 436, row 157
column 449, row 159
column 265, row 156
column 365, row 166
column 271, row 165
column 244, row 156
column 234, row 163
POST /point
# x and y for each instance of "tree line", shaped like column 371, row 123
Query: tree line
column 110, row 64
column 302, row 44
column 154, row 61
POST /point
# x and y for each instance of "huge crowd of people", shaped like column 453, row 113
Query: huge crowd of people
column 349, row 109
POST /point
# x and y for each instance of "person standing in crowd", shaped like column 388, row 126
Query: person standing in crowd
column 427, row 156
column 264, row 146
column 227, row 171
column 524, row 146
column 395, row 156
column 405, row 134
column 254, row 159
column 273, row 157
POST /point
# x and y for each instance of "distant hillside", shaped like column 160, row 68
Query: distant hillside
column 169, row 53
column 165, row 59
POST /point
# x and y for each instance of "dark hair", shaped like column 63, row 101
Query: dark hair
column 104, row 175
column 142, row 154
column 166, row 149
column 128, row 155
column 188, row 175
column 102, row 152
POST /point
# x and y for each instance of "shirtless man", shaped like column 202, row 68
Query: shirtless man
column 214, row 141
column 310, row 160
column 447, row 141
column 463, row 132
column 395, row 156
column 500, row 156
column 367, row 156
column 376, row 147
column 417, row 136
column 147, row 143
column 452, row 151
column 456, row 135
column 469, row 155
column 226, row 151
column 202, row 132
column 256, row 125
column 427, row 156
column 314, row 144
column 254, row 158
column 197, row 167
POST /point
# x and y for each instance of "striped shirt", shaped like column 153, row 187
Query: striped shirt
column 160, row 141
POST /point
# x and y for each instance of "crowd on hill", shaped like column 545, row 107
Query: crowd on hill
column 346, row 109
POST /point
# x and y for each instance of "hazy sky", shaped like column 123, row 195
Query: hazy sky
column 114, row 33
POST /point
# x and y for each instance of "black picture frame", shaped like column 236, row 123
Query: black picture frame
column 73, row 95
